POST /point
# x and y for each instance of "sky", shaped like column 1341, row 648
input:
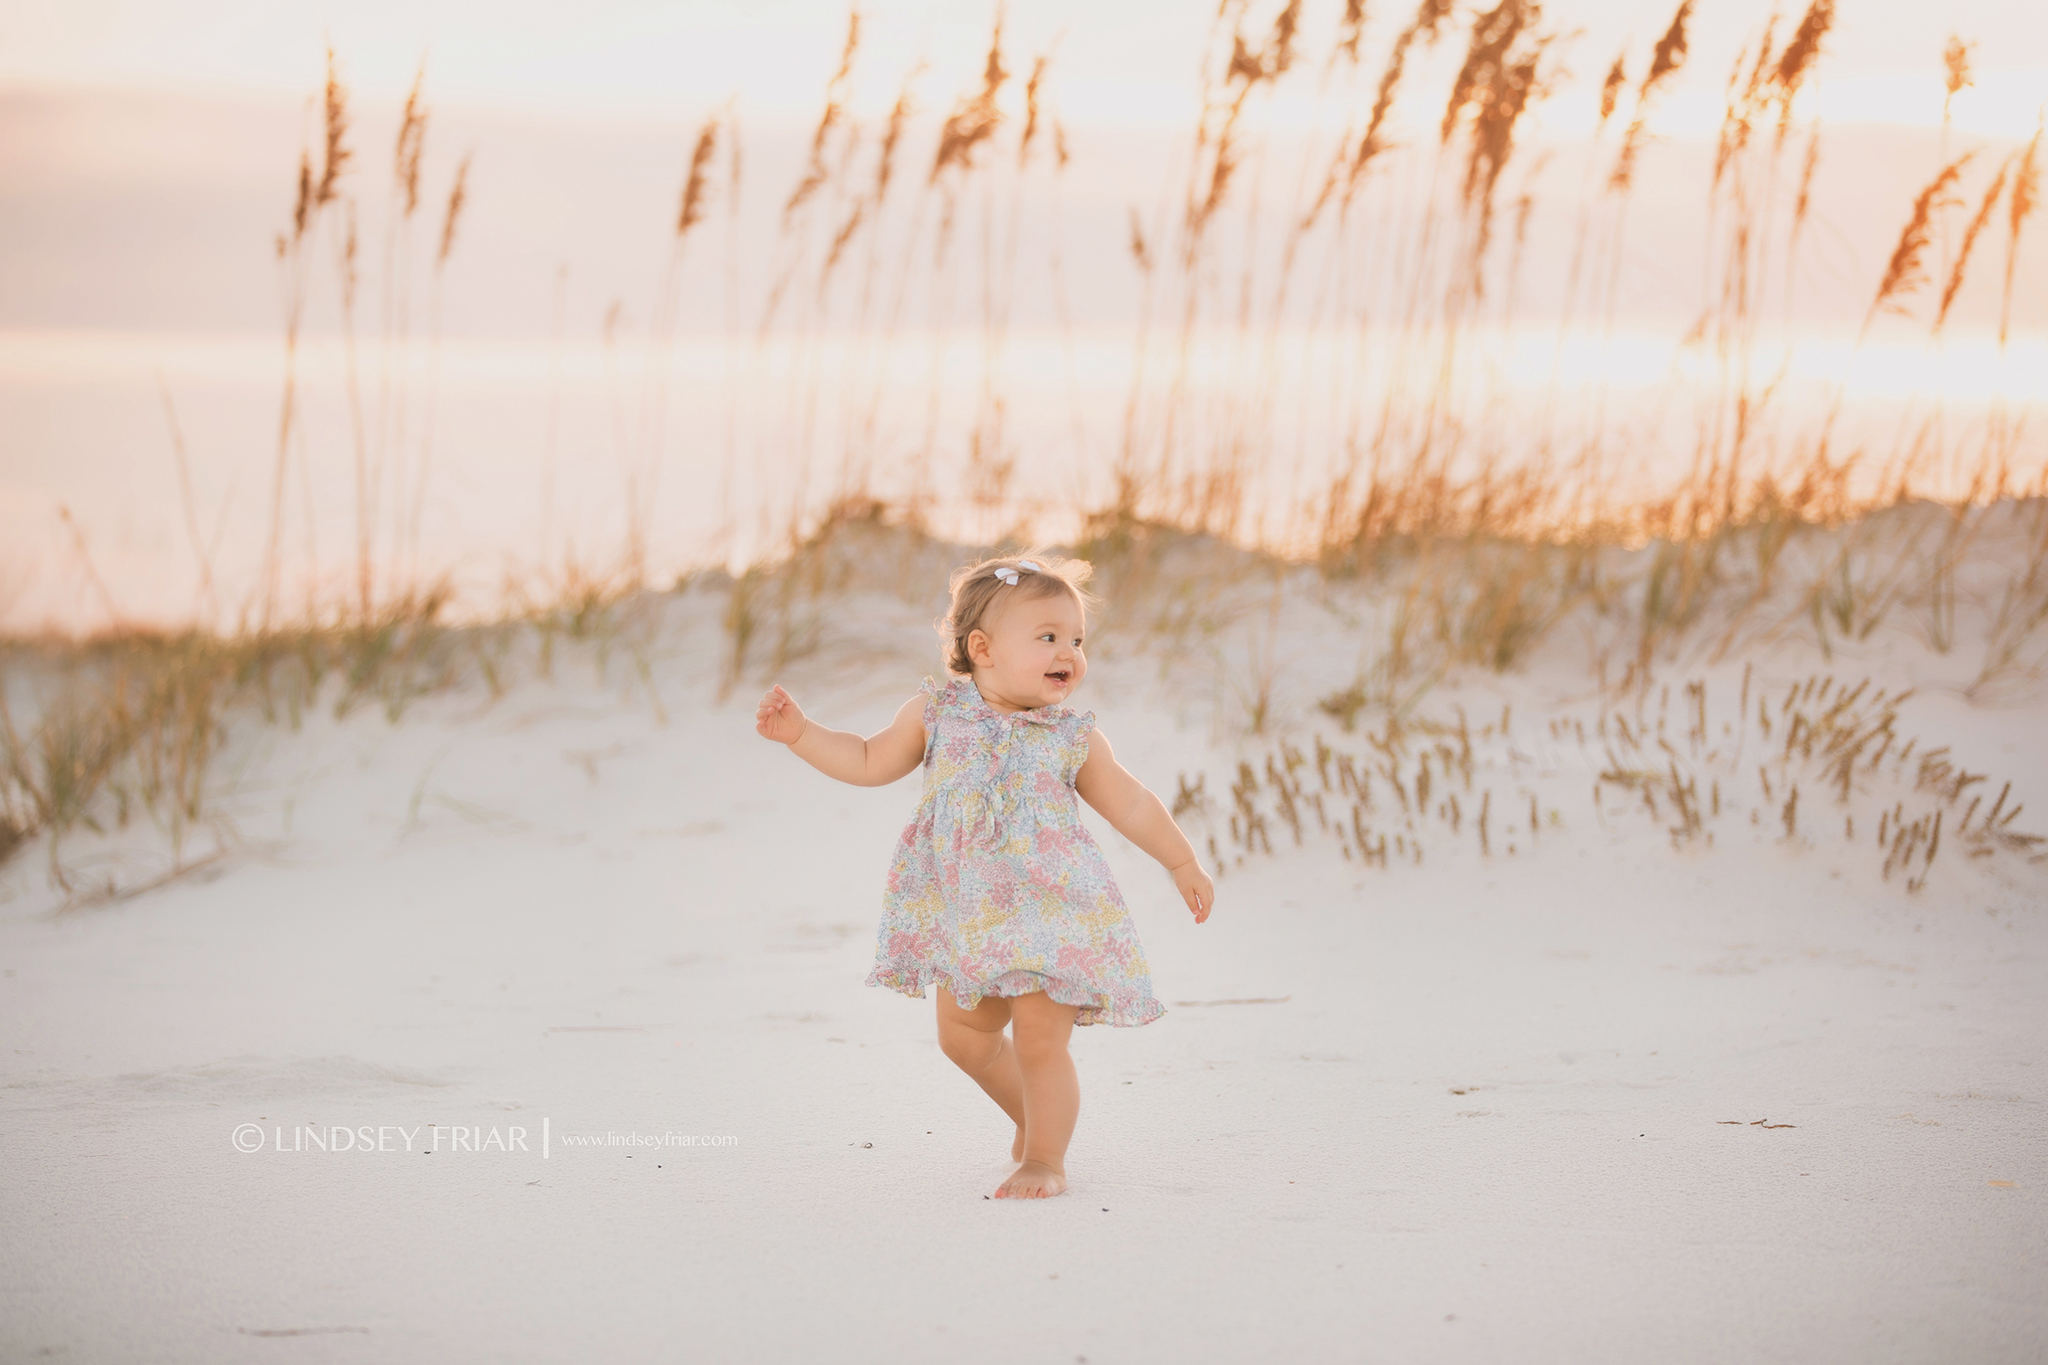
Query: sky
column 1118, row 62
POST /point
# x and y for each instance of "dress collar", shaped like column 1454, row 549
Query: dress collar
column 969, row 697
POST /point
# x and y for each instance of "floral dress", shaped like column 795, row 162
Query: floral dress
column 997, row 888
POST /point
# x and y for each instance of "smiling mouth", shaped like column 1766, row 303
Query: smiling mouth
column 1059, row 675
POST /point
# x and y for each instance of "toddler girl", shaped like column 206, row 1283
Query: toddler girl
column 998, row 894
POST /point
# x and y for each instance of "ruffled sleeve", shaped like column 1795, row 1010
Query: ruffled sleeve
column 932, row 693
column 1077, row 728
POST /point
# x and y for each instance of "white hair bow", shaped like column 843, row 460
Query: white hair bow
column 1009, row 575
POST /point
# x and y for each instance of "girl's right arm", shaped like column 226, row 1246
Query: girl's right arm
column 876, row 761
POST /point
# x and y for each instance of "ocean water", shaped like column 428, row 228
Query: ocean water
column 498, row 464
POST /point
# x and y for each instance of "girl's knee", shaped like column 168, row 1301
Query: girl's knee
column 1040, row 1040
column 967, row 1046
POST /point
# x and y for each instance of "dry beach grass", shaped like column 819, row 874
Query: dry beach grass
column 1448, row 538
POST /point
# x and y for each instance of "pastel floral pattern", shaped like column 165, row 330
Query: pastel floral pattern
column 997, row 888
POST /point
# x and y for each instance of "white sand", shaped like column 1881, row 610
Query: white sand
column 1507, row 1110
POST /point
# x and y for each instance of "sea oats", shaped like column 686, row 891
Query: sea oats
column 1902, row 274
column 2025, row 195
column 1977, row 222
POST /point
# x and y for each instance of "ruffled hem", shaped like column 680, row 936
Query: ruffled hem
column 911, row 979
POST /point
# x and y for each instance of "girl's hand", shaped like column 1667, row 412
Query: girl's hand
column 1195, row 888
column 779, row 717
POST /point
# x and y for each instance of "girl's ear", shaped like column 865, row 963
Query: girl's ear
column 977, row 648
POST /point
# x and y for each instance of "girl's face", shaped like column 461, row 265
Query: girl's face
column 1027, row 652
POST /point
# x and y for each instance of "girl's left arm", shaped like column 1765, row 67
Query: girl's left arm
column 1134, row 812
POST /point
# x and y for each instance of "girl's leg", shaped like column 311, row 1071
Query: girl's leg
column 975, row 1041
column 1052, row 1095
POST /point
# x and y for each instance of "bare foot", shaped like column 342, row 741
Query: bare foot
column 1017, row 1147
column 1032, row 1180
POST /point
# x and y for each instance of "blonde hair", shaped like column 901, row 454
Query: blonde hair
column 977, row 590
